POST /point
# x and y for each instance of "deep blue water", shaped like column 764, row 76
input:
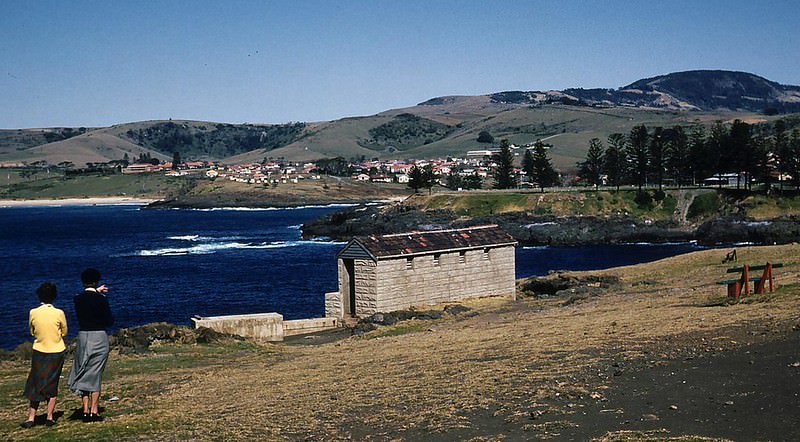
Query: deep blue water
column 168, row 265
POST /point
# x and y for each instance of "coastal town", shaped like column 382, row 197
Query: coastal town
column 275, row 172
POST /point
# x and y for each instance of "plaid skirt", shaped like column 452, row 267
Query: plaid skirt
column 42, row 381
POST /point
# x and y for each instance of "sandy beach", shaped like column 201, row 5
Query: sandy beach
column 76, row 202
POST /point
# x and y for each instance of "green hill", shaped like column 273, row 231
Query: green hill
column 441, row 126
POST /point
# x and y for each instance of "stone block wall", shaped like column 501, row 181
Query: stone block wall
column 366, row 281
column 333, row 305
column 425, row 281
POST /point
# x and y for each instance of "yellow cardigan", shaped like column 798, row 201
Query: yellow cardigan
column 48, row 326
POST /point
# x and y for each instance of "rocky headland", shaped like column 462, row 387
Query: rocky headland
column 730, row 220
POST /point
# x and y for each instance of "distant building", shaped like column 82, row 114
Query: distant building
column 723, row 179
column 138, row 168
column 393, row 272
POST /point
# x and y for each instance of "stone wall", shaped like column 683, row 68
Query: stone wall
column 333, row 305
column 366, row 282
column 423, row 281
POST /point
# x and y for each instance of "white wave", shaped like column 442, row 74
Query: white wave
column 535, row 247
column 296, row 227
column 200, row 249
column 549, row 223
column 185, row 237
column 214, row 247
column 322, row 240
column 757, row 223
column 282, row 244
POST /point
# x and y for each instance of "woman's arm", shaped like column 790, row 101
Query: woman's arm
column 63, row 320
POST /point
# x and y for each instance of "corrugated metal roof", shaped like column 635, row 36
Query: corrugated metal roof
column 417, row 243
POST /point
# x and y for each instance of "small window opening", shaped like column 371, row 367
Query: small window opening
column 462, row 256
column 409, row 263
column 436, row 257
column 486, row 253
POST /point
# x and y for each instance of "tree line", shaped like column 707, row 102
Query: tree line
column 681, row 156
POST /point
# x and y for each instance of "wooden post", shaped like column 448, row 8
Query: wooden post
column 769, row 269
column 734, row 289
column 746, row 279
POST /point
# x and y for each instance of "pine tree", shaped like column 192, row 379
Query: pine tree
column 638, row 153
column 428, row 177
column 794, row 157
column 699, row 160
column 657, row 155
column 504, row 177
column 717, row 150
column 415, row 178
column 591, row 170
column 527, row 162
column 743, row 151
column 615, row 162
column 676, row 154
column 781, row 149
column 543, row 172
column 454, row 181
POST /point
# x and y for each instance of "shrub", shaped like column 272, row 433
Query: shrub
column 643, row 200
column 703, row 205
column 485, row 137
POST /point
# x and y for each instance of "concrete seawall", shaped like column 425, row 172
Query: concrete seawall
column 265, row 327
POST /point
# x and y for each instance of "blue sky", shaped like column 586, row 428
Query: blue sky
column 97, row 63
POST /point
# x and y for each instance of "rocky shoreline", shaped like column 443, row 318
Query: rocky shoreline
column 533, row 230
column 244, row 201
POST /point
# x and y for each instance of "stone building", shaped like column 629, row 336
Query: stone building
column 394, row 272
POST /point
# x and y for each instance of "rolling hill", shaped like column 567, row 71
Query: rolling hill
column 441, row 126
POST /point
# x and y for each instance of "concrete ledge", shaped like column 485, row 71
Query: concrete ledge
column 261, row 326
column 303, row 326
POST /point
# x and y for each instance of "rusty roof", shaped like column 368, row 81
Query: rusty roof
column 415, row 243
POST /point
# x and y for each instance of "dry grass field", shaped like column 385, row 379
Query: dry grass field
column 660, row 356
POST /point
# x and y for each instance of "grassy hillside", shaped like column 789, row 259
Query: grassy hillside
column 56, row 187
column 542, row 367
column 687, row 205
column 587, row 203
column 449, row 128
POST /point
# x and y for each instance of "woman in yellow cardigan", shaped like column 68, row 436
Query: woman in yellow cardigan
column 48, row 326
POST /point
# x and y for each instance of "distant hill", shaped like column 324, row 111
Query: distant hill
column 441, row 126
column 159, row 139
column 691, row 90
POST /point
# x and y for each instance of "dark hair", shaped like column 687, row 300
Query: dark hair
column 90, row 277
column 47, row 292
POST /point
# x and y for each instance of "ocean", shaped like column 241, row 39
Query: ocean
column 169, row 265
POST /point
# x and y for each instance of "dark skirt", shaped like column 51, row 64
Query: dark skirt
column 42, row 381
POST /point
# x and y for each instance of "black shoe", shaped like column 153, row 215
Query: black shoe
column 92, row 417
column 49, row 422
column 26, row 424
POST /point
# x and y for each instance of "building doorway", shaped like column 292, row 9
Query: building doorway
column 350, row 292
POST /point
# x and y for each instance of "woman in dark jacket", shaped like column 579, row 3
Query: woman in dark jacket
column 91, row 354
